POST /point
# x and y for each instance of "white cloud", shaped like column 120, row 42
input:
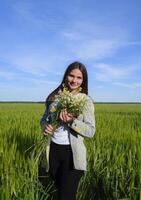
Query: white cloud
column 36, row 63
column 96, row 49
column 105, row 72
column 37, row 91
column 134, row 43
column 27, row 81
column 7, row 75
column 129, row 85
column 43, row 19
column 89, row 40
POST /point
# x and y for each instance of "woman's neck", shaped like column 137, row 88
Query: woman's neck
column 76, row 91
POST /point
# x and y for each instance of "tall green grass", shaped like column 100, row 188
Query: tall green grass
column 114, row 154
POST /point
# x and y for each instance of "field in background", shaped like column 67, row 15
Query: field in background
column 114, row 154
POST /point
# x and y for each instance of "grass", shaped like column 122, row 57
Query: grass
column 114, row 155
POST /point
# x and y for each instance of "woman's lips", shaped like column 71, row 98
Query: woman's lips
column 73, row 85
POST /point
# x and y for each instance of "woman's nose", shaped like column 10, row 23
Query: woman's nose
column 74, row 79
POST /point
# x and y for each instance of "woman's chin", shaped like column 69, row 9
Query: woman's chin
column 73, row 88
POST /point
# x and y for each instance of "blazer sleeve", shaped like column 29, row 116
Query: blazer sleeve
column 46, row 117
column 86, row 128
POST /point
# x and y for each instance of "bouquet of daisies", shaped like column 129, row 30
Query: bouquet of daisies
column 73, row 104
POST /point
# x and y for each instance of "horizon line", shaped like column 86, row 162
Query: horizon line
column 100, row 102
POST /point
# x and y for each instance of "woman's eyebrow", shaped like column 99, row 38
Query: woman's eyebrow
column 74, row 75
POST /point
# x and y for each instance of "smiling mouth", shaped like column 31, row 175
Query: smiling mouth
column 73, row 85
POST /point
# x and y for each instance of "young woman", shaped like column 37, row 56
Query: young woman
column 66, row 151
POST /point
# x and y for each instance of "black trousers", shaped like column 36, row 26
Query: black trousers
column 61, row 169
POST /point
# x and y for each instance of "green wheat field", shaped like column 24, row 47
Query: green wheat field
column 114, row 154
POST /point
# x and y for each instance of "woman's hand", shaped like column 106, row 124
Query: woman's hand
column 47, row 130
column 65, row 116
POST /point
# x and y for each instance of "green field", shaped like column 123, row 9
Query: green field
column 114, row 154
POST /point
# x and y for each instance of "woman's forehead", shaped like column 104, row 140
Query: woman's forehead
column 76, row 72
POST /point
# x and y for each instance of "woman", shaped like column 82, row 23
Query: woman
column 66, row 150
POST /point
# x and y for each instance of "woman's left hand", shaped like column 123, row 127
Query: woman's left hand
column 65, row 116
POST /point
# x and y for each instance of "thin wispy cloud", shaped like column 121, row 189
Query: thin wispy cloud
column 42, row 79
column 44, row 18
column 88, row 40
column 129, row 85
column 7, row 75
column 96, row 49
column 34, row 61
column 106, row 72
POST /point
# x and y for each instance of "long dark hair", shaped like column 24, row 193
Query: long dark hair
column 84, row 86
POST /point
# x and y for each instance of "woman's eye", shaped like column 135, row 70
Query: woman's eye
column 71, row 76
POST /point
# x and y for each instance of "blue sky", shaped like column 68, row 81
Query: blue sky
column 39, row 39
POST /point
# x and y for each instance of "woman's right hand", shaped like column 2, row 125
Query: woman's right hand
column 47, row 129
column 65, row 116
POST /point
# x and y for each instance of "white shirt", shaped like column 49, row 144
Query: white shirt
column 61, row 135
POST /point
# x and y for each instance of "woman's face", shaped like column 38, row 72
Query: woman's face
column 74, row 79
